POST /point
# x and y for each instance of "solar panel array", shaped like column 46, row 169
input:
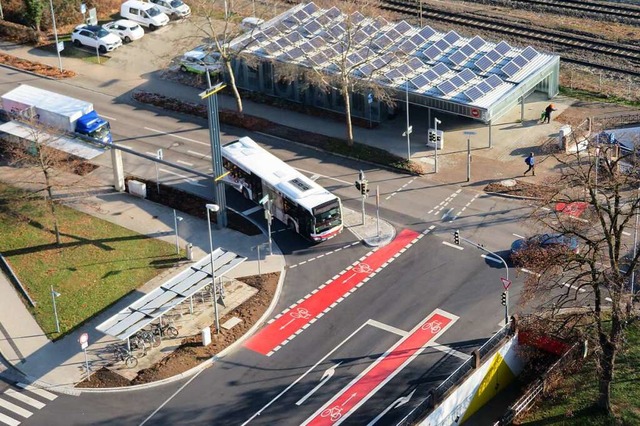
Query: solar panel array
column 391, row 53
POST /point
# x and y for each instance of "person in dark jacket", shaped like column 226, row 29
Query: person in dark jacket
column 531, row 162
column 547, row 113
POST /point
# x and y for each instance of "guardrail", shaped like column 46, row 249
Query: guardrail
column 15, row 279
column 455, row 378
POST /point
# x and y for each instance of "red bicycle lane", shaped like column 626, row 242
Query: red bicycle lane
column 382, row 370
column 292, row 321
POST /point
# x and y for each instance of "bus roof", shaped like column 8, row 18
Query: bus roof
column 251, row 157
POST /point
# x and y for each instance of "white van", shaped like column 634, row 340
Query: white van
column 146, row 14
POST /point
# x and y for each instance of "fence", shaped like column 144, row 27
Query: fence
column 536, row 388
column 455, row 378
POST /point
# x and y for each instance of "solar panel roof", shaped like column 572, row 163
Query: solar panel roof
column 446, row 87
column 442, row 44
column 441, row 69
column 493, row 55
column 510, row 69
column 467, row 50
column 494, row 81
column 420, row 81
column 402, row 27
column 477, row 42
column 457, row 81
column 502, row 48
column 473, row 94
column 484, row 63
column 451, row 37
column 529, row 53
column 467, row 75
column 432, row 52
column 458, row 57
column 520, row 61
column 427, row 32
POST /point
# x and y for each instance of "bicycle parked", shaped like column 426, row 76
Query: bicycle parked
column 149, row 337
column 164, row 329
column 122, row 354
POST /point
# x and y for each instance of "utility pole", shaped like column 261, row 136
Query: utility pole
column 469, row 134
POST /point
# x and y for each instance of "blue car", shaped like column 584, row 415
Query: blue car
column 546, row 241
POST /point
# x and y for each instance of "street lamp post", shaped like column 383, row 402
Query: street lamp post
column 55, row 294
column 213, row 208
column 635, row 252
column 55, row 34
column 407, row 133
column 506, row 267
column 176, row 220
column 435, row 125
column 469, row 134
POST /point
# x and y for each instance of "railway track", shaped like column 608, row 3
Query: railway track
column 617, row 11
column 557, row 38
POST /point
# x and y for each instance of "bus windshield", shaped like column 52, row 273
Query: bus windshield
column 327, row 216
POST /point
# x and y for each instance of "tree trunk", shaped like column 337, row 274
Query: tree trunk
column 232, row 81
column 52, row 206
column 347, row 113
column 609, row 346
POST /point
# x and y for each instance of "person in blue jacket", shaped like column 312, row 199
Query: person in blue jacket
column 531, row 162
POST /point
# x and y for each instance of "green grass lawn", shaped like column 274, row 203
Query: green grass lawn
column 572, row 403
column 96, row 264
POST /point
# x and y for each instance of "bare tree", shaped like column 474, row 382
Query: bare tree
column 594, row 198
column 348, row 53
column 220, row 25
column 44, row 161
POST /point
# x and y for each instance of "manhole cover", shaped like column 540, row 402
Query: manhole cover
column 508, row 182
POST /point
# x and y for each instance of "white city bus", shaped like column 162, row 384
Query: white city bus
column 297, row 201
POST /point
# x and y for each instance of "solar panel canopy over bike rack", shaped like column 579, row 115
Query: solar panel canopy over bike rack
column 170, row 294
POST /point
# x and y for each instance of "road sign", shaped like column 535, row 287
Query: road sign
column 84, row 338
column 505, row 283
column 159, row 154
column 60, row 46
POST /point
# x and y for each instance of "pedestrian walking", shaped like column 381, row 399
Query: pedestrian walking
column 531, row 162
column 547, row 113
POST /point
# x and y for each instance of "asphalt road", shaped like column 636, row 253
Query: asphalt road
column 353, row 335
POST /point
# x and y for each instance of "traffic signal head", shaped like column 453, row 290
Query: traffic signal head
column 504, row 298
column 456, row 237
column 432, row 136
column 364, row 187
column 359, row 185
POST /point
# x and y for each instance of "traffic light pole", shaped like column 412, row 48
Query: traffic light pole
column 457, row 238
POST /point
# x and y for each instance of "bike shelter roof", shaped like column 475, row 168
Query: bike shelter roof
column 171, row 293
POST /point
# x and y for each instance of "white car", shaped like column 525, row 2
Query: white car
column 95, row 37
column 199, row 62
column 173, row 8
column 125, row 29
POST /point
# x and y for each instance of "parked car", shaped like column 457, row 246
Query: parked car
column 95, row 37
column 250, row 24
column 546, row 242
column 125, row 29
column 145, row 14
column 199, row 62
column 173, row 8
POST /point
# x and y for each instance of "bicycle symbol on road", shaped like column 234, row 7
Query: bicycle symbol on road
column 362, row 268
column 300, row 313
column 434, row 326
column 334, row 413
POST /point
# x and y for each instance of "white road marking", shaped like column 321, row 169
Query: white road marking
column 450, row 351
column 314, row 177
column 171, row 397
column 24, row 398
column 518, row 236
column 186, row 163
column 447, row 243
column 176, row 136
column 323, row 176
column 13, row 407
column 40, row 392
column 107, row 117
column 199, row 154
column 387, row 327
column 152, row 154
column 190, row 181
column 8, row 420
column 626, row 233
column 267, row 405
column 530, row 272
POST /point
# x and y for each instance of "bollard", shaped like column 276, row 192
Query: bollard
column 189, row 251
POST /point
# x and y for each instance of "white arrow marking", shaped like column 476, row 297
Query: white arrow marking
column 395, row 404
column 353, row 395
column 446, row 213
column 325, row 378
column 285, row 326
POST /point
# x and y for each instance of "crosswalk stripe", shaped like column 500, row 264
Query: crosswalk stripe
column 40, row 392
column 13, row 407
column 24, row 398
column 8, row 420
